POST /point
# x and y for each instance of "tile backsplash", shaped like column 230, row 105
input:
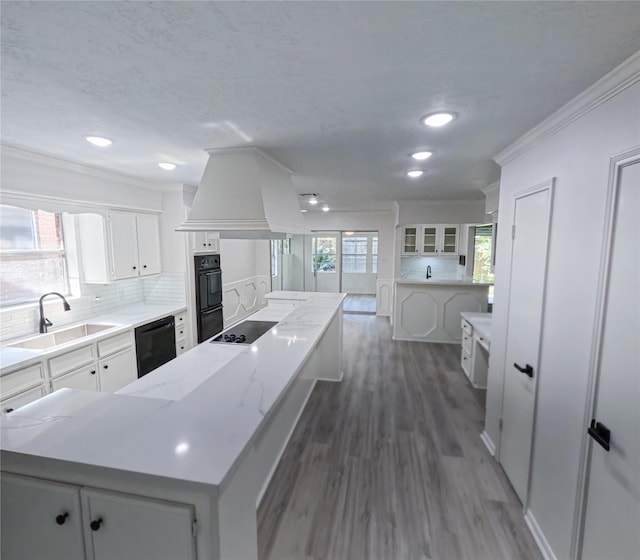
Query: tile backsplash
column 440, row 266
column 22, row 320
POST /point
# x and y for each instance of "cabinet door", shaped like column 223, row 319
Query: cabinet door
column 41, row 520
column 15, row 402
column 410, row 240
column 131, row 528
column 117, row 371
column 449, row 238
column 148, row 244
column 124, row 249
column 429, row 240
column 83, row 378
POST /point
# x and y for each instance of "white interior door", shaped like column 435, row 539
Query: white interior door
column 612, row 515
column 526, row 299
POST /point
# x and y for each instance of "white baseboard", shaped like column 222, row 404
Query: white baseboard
column 484, row 436
column 538, row 536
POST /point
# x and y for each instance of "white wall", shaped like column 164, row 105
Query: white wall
column 578, row 156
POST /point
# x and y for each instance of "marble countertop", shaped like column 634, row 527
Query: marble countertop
column 191, row 419
column 124, row 318
column 446, row 280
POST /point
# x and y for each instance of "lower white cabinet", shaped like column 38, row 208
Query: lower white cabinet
column 44, row 520
column 117, row 371
column 25, row 397
column 85, row 378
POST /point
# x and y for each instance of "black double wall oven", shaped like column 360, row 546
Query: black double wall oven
column 208, row 295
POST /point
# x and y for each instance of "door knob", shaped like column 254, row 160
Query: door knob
column 527, row 369
column 600, row 433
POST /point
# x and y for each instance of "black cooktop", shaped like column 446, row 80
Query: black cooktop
column 246, row 332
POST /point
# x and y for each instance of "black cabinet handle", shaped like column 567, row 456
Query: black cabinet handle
column 527, row 369
column 600, row 433
column 204, row 244
column 144, row 266
column 60, row 519
column 93, row 372
column 105, row 367
column 9, row 410
column 95, row 525
column 135, row 267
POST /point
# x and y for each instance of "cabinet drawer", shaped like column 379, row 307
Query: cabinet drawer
column 21, row 379
column 13, row 403
column 466, row 327
column 72, row 360
column 180, row 331
column 114, row 344
column 465, row 362
column 467, row 342
column 180, row 319
column 181, row 347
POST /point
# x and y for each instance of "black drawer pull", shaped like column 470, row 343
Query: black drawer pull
column 105, row 367
column 95, row 525
column 527, row 369
column 8, row 410
column 600, row 433
column 60, row 519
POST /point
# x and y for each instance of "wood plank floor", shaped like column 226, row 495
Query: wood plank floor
column 389, row 464
column 359, row 303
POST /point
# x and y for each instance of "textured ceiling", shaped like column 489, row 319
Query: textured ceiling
column 333, row 90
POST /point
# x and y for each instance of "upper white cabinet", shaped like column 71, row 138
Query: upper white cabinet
column 430, row 239
column 125, row 245
column 410, row 240
column 206, row 242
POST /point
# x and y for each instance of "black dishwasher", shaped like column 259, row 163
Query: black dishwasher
column 155, row 344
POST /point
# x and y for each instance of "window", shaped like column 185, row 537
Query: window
column 360, row 254
column 482, row 250
column 325, row 253
column 32, row 256
column 276, row 249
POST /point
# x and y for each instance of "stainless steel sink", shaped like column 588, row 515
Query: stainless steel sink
column 49, row 340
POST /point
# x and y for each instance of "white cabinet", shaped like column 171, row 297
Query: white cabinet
column 206, row 242
column 85, row 378
column 22, row 387
column 439, row 239
column 117, row 523
column 42, row 519
column 430, row 240
column 410, row 240
column 117, row 371
column 126, row 245
column 181, row 333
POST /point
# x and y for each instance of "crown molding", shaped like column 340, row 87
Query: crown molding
column 610, row 85
column 489, row 189
column 38, row 158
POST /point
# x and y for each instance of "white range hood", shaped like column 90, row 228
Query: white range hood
column 245, row 194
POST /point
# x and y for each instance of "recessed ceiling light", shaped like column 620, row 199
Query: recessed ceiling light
column 421, row 156
column 167, row 166
column 98, row 141
column 438, row 119
column 313, row 200
column 414, row 173
column 303, row 211
column 325, row 208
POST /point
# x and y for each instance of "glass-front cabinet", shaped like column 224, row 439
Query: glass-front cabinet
column 410, row 240
column 431, row 239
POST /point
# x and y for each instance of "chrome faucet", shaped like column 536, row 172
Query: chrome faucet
column 428, row 272
column 44, row 322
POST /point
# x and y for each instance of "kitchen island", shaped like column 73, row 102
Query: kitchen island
column 428, row 310
column 173, row 465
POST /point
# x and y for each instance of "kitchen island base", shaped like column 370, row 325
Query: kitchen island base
column 430, row 312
